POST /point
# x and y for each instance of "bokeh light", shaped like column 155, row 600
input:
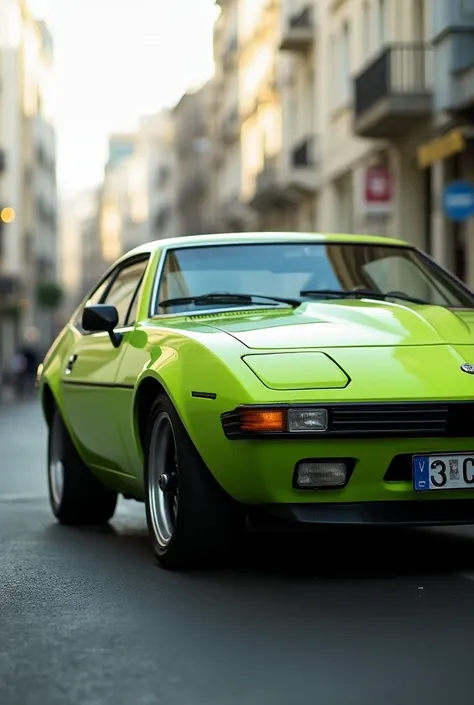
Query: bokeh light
column 7, row 215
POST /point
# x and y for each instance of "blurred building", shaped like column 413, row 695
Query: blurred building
column 300, row 72
column 28, row 181
column 81, row 253
column 355, row 115
column 116, row 226
column 231, row 212
column 446, row 154
column 195, row 179
column 376, row 107
column 262, row 158
column 280, row 142
column 92, row 263
column 157, row 144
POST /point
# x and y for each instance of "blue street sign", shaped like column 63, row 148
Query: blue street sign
column 458, row 201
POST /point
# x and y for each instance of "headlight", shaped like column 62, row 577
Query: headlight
column 254, row 421
column 307, row 420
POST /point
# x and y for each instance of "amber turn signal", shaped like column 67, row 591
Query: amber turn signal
column 264, row 420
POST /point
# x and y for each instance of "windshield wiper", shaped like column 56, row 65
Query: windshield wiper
column 361, row 293
column 228, row 298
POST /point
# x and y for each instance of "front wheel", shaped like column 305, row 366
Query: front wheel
column 192, row 522
column 75, row 494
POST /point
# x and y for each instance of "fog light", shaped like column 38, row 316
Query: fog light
column 313, row 474
column 307, row 420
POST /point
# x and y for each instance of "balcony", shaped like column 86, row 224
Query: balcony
column 298, row 31
column 394, row 92
column 277, row 186
column 464, row 93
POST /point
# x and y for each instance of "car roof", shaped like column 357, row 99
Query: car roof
column 256, row 238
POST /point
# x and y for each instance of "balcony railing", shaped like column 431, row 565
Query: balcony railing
column 298, row 31
column 394, row 91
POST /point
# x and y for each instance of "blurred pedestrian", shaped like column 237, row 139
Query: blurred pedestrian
column 25, row 364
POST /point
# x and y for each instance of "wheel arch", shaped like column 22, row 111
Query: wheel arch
column 48, row 404
column 147, row 392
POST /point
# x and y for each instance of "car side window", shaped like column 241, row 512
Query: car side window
column 122, row 293
column 96, row 297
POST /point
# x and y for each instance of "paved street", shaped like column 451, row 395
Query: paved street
column 350, row 618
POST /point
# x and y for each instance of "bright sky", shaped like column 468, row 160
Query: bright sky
column 117, row 60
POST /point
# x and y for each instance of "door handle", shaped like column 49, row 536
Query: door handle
column 70, row 364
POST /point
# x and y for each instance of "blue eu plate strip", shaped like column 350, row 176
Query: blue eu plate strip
column 421, row 473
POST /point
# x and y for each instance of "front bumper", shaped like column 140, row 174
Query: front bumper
column 444, row 512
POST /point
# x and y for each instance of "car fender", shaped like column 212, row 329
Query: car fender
column 201, row 384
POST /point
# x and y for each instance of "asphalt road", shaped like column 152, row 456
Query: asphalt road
column 347, row 618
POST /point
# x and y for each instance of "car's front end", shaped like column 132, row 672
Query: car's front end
column 377, row 434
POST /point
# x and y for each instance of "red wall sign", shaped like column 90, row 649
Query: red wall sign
column 378, row 189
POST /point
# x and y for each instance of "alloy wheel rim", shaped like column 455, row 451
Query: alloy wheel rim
column 56, row 466
column 163, row 463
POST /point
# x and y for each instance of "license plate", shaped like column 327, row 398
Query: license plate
column 443, row 472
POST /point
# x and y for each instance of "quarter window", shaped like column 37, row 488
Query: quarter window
column 123, row 292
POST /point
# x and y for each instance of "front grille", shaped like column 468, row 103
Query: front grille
column 404, row 420
column 392, row 419
column 382, row 420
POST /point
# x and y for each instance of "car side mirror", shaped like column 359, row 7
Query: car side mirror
column 102, row 318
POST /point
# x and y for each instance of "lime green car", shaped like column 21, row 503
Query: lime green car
column 274, row 379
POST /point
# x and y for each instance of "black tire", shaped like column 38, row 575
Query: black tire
column 208, row 523
column 84, row 500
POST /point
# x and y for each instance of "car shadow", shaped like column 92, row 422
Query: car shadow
column 360, row 552
column 326, row 553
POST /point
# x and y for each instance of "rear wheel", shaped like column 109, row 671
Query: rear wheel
column 76, row 495
column 192, row 522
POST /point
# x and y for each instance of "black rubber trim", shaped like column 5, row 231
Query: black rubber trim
column 104, row 385
column 447, row 512
column 424, row 419
column 204, row 395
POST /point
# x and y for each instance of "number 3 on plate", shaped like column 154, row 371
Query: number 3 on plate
column 439, row 478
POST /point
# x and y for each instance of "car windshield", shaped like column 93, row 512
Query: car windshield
column 304, row 272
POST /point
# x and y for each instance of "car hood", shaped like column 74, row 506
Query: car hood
column 353, row 323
